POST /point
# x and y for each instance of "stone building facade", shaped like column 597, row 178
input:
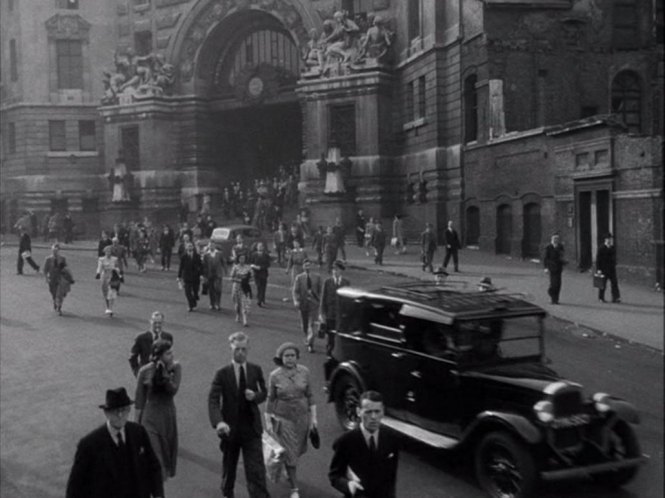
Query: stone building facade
column 513, row 118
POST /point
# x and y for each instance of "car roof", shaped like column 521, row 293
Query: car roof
column 236, row 227
column 449, row 304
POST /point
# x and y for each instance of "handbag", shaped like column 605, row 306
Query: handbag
column 273, row 457
column 599, row 281
column 314, row 438
column 393, row 241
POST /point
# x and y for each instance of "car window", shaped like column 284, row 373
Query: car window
column 428, row 337
column 221, row 233
column 350, row 315
column 382, row 321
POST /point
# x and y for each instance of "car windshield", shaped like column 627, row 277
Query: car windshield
column 222, row 233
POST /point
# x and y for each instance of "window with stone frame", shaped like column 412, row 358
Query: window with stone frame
column 409, row 102
column 87, row 135
column 414, row 19
column 11, row 138
column 659, row 21
column 143, row 42
column 625, row 24
column 421, row 107
column 13, row 61
column 57, row 137
column 342, row 128
column 627, row 100
column 67, row 4
column 69, row 61
column 470, row 108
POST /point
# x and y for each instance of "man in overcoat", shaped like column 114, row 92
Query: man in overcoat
column 606, row 263
column 116, row 460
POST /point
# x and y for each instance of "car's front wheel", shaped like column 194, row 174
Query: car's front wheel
column 346, row 396
column 504, row 466
column 623, row 445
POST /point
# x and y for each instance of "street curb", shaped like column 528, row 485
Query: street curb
column 579, row 325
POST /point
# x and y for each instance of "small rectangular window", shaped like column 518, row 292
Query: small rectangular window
column 421, row 98
column 13, row 61
column 69, row 54
column 409, row 102
column 143, row 42
column 56, row 135
column 87, row 135
column 414, row 16
column 11, row 138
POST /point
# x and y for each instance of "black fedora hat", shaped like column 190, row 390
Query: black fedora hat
column 116, row 398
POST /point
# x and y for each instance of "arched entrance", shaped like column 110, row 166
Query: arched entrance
column 253, row 64
column 532, row 231
column 504, row 228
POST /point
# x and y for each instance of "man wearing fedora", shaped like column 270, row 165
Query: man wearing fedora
column 329, row 311
column 116, row 460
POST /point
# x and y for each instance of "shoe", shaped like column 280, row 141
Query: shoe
column 108, row 311
column 59, row 312
column 212, row 307
column 601, row 300
column 616, row 300
column 162, row 268
column 310, row 348
column 294, row 493
column 19, row 273
column 190, row 309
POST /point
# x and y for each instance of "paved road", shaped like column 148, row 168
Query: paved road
column 54, row 371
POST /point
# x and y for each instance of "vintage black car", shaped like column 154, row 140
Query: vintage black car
column 467, row 370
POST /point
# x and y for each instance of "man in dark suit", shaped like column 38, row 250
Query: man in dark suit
column 606, row 263
column 554, row 262
column 306, row 294
column 142, row 348
column 233, row 409
column 329, row 311
column 360, row 228
column 428, row 246
column 452, row 243
column 116, row 460
column 25, row 252
column 189, row 274
column 364, row 463
column 379, row 242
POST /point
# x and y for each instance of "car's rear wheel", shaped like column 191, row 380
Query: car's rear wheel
column 623, row 445
column 504, row 466
column 346, row 396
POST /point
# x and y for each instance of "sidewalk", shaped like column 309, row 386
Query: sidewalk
column 638, row 318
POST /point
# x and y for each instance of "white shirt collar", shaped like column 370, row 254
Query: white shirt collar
column 114, row 433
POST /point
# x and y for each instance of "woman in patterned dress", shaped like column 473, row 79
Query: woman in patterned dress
column 241, row 291
column 106, row 266
column 156, row 385
column 290, row 411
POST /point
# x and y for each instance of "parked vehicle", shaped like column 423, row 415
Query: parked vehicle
column 467, row 370
column 225, row 237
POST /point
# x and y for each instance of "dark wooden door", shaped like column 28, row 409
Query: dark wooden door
column 504, row 229
column 532, row 231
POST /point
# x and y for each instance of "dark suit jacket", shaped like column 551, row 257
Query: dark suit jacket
column 301, row 297
column 102, row 244
column 379, row 239
column 330, row 299
column 452, row 239
column 606, row 260
column 554, row 260
column 190, row 268
column 94, row 473
column 223, row 397
column 377, row 476
column 140, row 354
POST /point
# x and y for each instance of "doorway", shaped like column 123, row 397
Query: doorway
column 472, row 226
column 254, row 141
column 532, row 231
column 504, row 228
column 594, row 220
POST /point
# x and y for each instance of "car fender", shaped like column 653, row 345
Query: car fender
column 349, row 368
column 513, row 423
column 625, row 411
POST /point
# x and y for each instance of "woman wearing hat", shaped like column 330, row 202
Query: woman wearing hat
column 290, row 411
column 156, row 385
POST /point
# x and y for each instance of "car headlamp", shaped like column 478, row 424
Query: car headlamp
column 602, row 402
column 544, row 411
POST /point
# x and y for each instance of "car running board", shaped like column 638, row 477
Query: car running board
column 423, row 435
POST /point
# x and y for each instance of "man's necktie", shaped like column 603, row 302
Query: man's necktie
column 242, row 381
column 372, row 446
column 121, row 441
column 309, row 282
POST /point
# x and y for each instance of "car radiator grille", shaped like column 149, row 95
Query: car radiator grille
column 567, row 402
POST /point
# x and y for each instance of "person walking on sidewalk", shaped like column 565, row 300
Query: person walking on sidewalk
column 104, row 240
column 306, row 299
column 317, row 245
column 330, row 248
column 379, row 242
column 142, row 347
column 338, row 230
column 360, row 228
column 329, row 311
column 166, row 244
column 25, row 252
column 241, row 290
column 109, row 273
column 58, row 277
column 214, row 267
column 398, row 235
column 260, row 263
column 189, row 275
column 554, row 262
column 236, row 392
column 606, row 263
column 452, row 243
column 428, row 247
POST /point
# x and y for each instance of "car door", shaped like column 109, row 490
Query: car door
column 434, row 398
column 385, row 353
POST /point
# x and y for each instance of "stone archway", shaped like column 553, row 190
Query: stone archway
column 190, row 49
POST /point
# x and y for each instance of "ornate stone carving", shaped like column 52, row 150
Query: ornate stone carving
column 216, row 11
column 67, row 27
column 167, row 20
column 137, row 77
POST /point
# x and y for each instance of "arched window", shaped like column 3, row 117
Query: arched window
column 472, row 226
column 627, row 100
column 470, row 109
